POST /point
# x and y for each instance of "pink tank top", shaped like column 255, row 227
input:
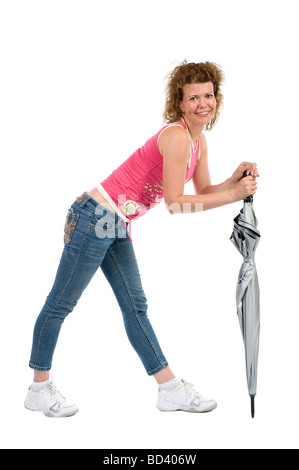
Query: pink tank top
column 137, row 184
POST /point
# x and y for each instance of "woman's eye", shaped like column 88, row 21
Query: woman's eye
column 210, row 95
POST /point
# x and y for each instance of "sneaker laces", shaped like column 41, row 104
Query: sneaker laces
column 191, row 393
column 52, row 390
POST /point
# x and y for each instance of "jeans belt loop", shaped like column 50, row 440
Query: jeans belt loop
column 83, row 199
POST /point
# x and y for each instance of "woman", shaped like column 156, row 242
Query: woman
column 96, row 234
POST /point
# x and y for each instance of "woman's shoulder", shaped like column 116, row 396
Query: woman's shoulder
column 173, row 136
column 175, row 125
column 173, row 130
column 202, row 142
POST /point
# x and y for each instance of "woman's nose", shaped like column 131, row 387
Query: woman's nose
column 201, row 102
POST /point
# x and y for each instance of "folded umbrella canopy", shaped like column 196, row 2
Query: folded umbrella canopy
column 245, row 237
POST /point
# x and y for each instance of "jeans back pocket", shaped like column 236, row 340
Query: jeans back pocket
column 70, row 225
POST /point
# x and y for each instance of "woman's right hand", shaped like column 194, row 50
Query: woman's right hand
column 245, row 187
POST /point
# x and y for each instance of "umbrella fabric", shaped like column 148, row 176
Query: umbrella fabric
column 246, row 237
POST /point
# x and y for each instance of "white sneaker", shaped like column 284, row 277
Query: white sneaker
column 177, row 394
column 50, row 401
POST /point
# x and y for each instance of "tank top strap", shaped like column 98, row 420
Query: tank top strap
column 173, row 124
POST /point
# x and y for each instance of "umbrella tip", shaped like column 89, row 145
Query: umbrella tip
column 252, row 405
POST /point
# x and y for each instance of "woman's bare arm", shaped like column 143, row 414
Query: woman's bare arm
column 201, row 178
column 174, row 146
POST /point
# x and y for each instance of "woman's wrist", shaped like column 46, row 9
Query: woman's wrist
column 230, row 182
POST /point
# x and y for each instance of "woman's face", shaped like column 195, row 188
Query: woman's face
column 199, row 103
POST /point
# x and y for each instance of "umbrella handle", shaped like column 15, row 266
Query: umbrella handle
column 249, row 198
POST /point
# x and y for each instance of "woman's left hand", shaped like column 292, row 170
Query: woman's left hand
column 250, row 168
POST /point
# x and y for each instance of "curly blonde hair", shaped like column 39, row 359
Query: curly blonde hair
column 187, row 73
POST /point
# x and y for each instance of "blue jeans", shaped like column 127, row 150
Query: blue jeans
column 96, row 237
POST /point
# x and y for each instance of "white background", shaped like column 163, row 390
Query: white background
column 81, row 87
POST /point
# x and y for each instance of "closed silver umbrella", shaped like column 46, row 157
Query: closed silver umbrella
column 245, row 237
